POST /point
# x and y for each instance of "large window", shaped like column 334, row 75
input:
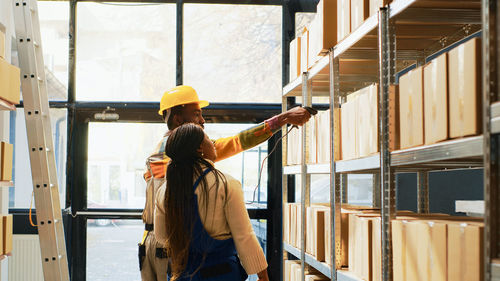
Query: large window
column 232, row 53
column 20, row 196
column 126, row 52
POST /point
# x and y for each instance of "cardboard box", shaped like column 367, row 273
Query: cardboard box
column 349, row 112
column 368, row 121
column 323, row 132
column 363, row 250
column 10, row 82
column 316, row 278
column 315, row 234
column 286, row 222
column 411, row 108
column 435, row 256
column 288, row 268
column 2, row 252
column 328, row 238
column 293, row 224
column 376, row 249
column 323, row 136
column 436, row 100
column 394, row 129
column 465, row 256
column 375, row 5
column 7, row 234
column 304, row 51
column 343, row 19
column 294, row 147
column 295, row 272
column 464, row 65
column 313, row 135
column 309, row 231
column 323, row 30
column 319, row 233
column 360, row 11
column 298, row 242
column 7, row 157
column 399, row 249
column 414, row 251
column 295, row 54
column 2, row 45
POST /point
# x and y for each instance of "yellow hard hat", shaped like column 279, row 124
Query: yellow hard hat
column 178, row 96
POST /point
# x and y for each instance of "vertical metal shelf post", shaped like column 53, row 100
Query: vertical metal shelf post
column 387, row 48
column 423, row 192
column 335, row 185
column 304, row 177
column 490, row 145
column 284, row 178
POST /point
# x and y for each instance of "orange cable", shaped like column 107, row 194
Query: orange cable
column 31, row 205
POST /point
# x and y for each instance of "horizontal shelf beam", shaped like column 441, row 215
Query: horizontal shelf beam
column 342, row 275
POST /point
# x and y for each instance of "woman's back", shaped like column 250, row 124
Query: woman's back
column 224, row 217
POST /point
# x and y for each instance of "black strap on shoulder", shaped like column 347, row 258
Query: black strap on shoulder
column 197, row 182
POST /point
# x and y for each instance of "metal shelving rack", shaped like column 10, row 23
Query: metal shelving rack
column 404, row 33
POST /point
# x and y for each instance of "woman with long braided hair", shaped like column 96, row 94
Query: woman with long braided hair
column 200, row 215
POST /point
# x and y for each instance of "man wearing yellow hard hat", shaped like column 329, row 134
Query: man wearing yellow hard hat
column 178, row 106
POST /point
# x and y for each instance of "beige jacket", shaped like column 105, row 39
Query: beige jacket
column 226, row 217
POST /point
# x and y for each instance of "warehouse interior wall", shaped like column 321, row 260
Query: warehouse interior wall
column 444, row 189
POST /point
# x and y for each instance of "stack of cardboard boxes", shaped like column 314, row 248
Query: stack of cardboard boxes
column 6, row 235
column 319, row 137
column 10, row 86
column 334, row 20
column 292, row 269
column 442, row 99
column 359, row 122
column 318, row 140
column 425, row 247
column 10, row 83
column 441, row 248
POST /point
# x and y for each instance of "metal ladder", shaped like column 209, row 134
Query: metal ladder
column 41, row 145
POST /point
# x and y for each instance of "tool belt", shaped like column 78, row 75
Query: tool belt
column 161, row 253
column 142, row 255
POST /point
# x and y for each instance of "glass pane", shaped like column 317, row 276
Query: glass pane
column 320, row 188
column 260, row 228
column 244, row 166
column 54, row 28
column 233, row 53
column 117, row 155
column 20, row 196
column 126, row 52
column 360, row 190
column 112, row 249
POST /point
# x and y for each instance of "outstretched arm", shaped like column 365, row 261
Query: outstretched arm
column 230, row 146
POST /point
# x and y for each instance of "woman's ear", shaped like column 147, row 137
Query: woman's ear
column 200, row 150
